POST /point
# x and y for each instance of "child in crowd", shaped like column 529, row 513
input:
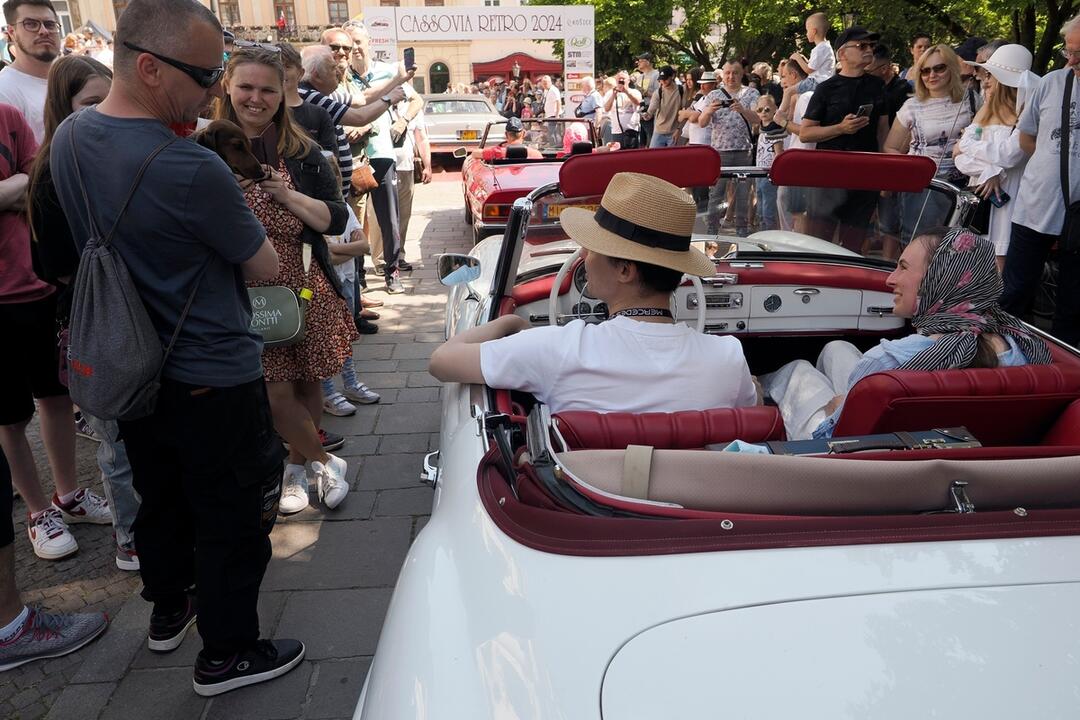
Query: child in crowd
column 770, row 144
column 822, row 62
column 344, row 250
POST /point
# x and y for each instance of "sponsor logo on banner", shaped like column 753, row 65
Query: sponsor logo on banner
column 379, row 23
column 580, row 41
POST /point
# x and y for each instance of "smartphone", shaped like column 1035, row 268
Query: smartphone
column 864, row 110
column 264, row 147
column 999, row 200
column 410, row 58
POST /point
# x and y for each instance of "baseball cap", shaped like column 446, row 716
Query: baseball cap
column 645, row 56
column 667, row 72
column 855, row 33
column 514, row 125
column 228, row 36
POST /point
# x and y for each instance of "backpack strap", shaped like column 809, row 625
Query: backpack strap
column 106, row 239
column 1065, row 120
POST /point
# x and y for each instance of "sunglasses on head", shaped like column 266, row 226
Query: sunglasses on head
column 939, row 69
column 203, row 77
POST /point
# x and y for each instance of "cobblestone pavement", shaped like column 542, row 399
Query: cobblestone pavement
column 331, row 575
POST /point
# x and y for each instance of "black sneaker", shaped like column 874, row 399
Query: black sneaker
column 405, row 266
column 365, row 326
column 167, row 630
column 330, row 441
column 267, row 660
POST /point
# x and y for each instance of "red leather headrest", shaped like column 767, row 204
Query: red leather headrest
column 670, row 431
column 1000, row 406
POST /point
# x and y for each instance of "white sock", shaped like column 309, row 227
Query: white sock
column 12, row 629
column 65, row 499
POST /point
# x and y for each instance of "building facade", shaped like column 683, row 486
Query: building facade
column 439, row 64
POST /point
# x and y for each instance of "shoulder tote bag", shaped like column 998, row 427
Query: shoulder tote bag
column 278, row 313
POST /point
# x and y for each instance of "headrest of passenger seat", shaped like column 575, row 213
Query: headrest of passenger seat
column 516, row 152
column 581, row 148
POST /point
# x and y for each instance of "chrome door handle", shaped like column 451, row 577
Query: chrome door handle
column 807, row 291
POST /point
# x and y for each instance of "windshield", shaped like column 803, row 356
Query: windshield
column 550, row 137
column 446, row 107
column 746, row 215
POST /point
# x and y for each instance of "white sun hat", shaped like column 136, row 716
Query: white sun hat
column 1010, row 64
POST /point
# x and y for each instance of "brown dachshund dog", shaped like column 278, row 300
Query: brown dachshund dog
column 228, row 141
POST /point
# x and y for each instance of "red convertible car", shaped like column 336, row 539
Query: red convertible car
column 492, row 185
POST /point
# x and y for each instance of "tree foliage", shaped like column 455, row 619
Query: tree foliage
column 708, row 31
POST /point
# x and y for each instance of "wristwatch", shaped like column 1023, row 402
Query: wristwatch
column 386, row 99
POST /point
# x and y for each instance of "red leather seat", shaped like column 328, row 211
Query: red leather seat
column 1000, row 406
column 670, row 431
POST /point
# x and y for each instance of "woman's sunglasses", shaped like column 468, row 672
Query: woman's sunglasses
column 203, row 77
column 939, row 69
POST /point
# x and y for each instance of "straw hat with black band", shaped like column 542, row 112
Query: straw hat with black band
column 641, row 218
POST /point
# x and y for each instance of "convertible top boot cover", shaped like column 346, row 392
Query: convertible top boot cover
column 785, row 485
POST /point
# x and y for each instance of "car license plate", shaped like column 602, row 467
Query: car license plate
column 553, row 211
column 468, row 134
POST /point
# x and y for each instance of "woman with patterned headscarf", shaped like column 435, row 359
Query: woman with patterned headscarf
column 947, row 283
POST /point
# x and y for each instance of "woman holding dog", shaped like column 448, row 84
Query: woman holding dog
column 297, row 202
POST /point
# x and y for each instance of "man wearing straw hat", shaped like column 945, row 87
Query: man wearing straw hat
column 636, row 250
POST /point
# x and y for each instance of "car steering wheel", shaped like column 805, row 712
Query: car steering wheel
column 553, row 296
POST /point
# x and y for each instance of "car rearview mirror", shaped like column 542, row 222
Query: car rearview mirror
column 461, row 153
column 455, row 269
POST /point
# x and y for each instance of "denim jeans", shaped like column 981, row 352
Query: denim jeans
column 766, row 197
column 718, row 194
column 936, row 213
column 348, row 372
column 1024, row 262
column 660, row 140
column 116, row 477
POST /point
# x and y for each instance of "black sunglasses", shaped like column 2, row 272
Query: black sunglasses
column 203, row 77
column 939, row 69
column 334, row 47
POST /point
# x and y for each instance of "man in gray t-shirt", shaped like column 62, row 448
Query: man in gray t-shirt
column 207, row 463
column 1039, row 215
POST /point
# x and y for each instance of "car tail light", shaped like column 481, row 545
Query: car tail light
column 496, row 210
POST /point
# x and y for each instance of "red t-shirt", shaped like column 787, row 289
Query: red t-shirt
column 18, row 283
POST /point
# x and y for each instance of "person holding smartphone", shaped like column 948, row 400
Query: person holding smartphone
column 622, row 104
column 846, row 112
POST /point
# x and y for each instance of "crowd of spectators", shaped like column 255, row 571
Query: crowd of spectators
column 249, row 166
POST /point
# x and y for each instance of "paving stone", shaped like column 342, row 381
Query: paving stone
column 372, row 352
column 337, row 688
column 413, row 443
column 355, row 506
column 380, row 380
column 380, row 472
column 279, row 699
column 110, row 655
column 414, row 365
column 430, row 337
column 162, row 694
column 409, row 418
column 81, row 702
column 427, row 394
column 409, row 501
column 422, row 379
column 362, row 423
column 434, row 441
column 357, row 446
column 419, row 524
column 411, row 351
column 358, row 616
column 338, row 555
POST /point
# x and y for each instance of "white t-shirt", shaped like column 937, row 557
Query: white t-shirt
column 822, row 61
column 792, row 141
column 621, row 365
column 935, row 124
column 1039, row 204
column 27, row 94
column 346, row 271
column 624, row 112
column 698, row 135
column 552, row 102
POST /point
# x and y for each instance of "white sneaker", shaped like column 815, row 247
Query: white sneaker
column 85, row 507
column 294, row 490
column 362, row 394
column 50, row 536
column 336, row 404
column 331, row 480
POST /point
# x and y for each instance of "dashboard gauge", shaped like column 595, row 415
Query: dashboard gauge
column 773, row 303
column 581, row 309
column 581, row 280
column 601, row 310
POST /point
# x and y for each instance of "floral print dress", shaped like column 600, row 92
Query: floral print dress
column 330, row 331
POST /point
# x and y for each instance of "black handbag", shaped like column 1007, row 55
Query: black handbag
column 1070, row 231
column 980, row 219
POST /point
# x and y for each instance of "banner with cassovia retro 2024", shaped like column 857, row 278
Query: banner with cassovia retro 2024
column 573, row 24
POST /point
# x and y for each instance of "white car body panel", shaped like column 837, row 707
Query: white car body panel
column 481, row 626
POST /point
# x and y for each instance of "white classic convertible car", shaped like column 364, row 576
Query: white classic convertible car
column 939, row 579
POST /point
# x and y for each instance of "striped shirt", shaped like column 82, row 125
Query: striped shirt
column 337, row 111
